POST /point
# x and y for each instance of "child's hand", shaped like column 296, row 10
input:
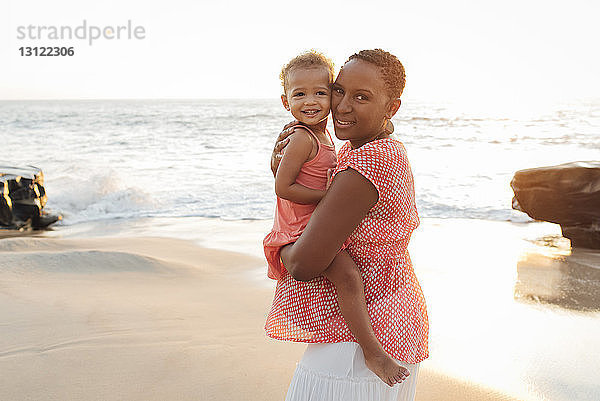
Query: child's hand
column 280, row 144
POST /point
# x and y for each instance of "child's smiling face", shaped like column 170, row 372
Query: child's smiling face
column 308, row 94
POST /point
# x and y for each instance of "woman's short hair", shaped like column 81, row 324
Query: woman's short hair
column 309, row 59
column 392, row 69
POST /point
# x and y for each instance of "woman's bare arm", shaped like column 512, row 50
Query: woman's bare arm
column 346, row 203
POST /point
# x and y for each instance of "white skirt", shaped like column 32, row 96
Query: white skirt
column 337, row 372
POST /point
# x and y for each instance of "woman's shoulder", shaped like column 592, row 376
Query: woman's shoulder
column 383, row 145
column 379, row 152
column 383, row 162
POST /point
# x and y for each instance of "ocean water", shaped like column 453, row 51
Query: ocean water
column 123, row 159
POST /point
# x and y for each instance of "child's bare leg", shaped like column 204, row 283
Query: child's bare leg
column 344, row 274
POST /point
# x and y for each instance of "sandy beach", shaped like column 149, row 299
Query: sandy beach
column 168, row 310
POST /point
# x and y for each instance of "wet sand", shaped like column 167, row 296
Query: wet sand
column 166, row 310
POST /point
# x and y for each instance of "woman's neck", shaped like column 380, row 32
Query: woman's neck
column 358, row 143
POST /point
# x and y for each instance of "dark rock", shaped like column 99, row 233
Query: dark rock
column 22, row 198
column 583, row 237
column 567, row 194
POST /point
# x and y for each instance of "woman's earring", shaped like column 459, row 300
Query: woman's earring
column 389, row 127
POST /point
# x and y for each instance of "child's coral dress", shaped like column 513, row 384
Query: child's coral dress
column 291, row 218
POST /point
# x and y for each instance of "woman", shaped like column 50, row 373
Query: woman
column 371, row 201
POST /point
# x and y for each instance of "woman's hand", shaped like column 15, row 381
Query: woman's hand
column 280, row 144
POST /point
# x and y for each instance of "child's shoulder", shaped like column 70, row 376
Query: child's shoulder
column 302, row 134
column 303, row 129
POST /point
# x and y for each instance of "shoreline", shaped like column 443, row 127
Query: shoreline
column 140, row 312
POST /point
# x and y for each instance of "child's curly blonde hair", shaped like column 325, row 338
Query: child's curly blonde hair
column 309, row 59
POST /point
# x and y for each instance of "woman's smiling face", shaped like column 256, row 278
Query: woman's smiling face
column 360, row 103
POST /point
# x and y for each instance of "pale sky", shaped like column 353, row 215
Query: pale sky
column 476, row 51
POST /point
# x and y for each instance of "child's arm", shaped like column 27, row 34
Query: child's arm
column 296, row 154
column 280, row 143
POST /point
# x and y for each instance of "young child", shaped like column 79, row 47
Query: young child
column 300, row 183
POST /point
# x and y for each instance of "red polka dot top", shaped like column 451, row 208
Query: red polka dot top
column 308, row 311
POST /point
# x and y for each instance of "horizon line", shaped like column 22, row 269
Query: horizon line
column 423, row 98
